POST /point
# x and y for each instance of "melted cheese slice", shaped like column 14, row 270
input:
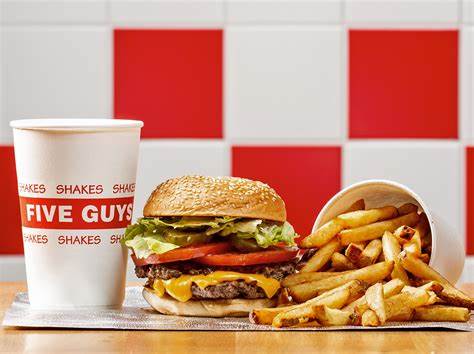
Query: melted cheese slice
column 180, row 288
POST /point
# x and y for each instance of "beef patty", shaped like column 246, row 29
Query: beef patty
column 227, row 290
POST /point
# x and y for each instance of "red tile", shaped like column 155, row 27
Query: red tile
column 11, row 239
column 170, row 79
column 305, row 176
column 403, row 84
column 470, row 200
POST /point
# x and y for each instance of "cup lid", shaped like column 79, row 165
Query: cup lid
column 75, row 124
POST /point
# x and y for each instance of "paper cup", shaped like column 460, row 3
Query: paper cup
column 447, row 255
column 76, row 183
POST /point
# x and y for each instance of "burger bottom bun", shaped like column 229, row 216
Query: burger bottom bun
column 205, row 308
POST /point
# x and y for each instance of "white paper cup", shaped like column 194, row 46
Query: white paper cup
column 76, row 182
column 447, row 254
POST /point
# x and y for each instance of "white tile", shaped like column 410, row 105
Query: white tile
column 55, row 72
column 468, row 273
column 284, row 11
column 12, row 268
column 160, row 160
column 53, row 11
column 468, row 11
column 283, row 82
column 403, row 11
column 431, row 169
column 166, row 11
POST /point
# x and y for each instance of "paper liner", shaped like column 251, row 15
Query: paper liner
column 137, row 315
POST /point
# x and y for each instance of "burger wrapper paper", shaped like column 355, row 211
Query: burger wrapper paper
column 136, row 314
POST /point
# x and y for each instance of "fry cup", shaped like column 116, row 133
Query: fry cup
column 447, row 252
column 76, row 184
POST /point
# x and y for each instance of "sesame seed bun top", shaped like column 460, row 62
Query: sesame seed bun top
column 215, row 196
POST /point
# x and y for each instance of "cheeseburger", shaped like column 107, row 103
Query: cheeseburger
column 212, row 247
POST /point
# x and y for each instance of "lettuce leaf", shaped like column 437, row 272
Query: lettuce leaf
column 192, row 222
column 247, row 226
column 265, row 234
column 146, row 236
column 270, row 235
column 143, row 246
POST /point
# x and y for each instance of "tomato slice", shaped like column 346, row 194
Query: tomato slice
column 183, row 253
column 244, row 259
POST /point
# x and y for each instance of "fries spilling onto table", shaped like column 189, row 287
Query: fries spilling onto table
column 370, row 267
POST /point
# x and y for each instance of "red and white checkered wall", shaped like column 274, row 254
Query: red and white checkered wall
column 307, row 95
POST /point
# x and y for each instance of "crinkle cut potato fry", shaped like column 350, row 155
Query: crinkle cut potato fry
column 349, row 220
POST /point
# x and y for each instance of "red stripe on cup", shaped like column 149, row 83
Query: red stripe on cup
column 58, row 213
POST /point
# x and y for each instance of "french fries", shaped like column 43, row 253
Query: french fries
column 391, row 288
column 331, row 317
column 407, row 208
column 322, row 256
column 404, row 234
column 375, row 300
column 307, row 312
column 357, row 205
column 323, row 235
column 377, row 229
column 370, row 254
column 439, row 313
column 352, row 219
column 391, row 250
column 403, row 316
column 284, row 298
column 307, row 324
column 378, row 273
column 450, row 294
column 370, row 275
column 335, row 298
column 353, row 252
column 398, row 304
column 425, row 257
column 299, row 278
column 414, row 245
column 285, row 317
column 370, row 319
column 423, row 226
column 341, row 263
column 364, row 217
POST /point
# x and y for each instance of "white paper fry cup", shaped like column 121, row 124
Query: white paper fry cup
column 447, row 254
column 76, row 183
